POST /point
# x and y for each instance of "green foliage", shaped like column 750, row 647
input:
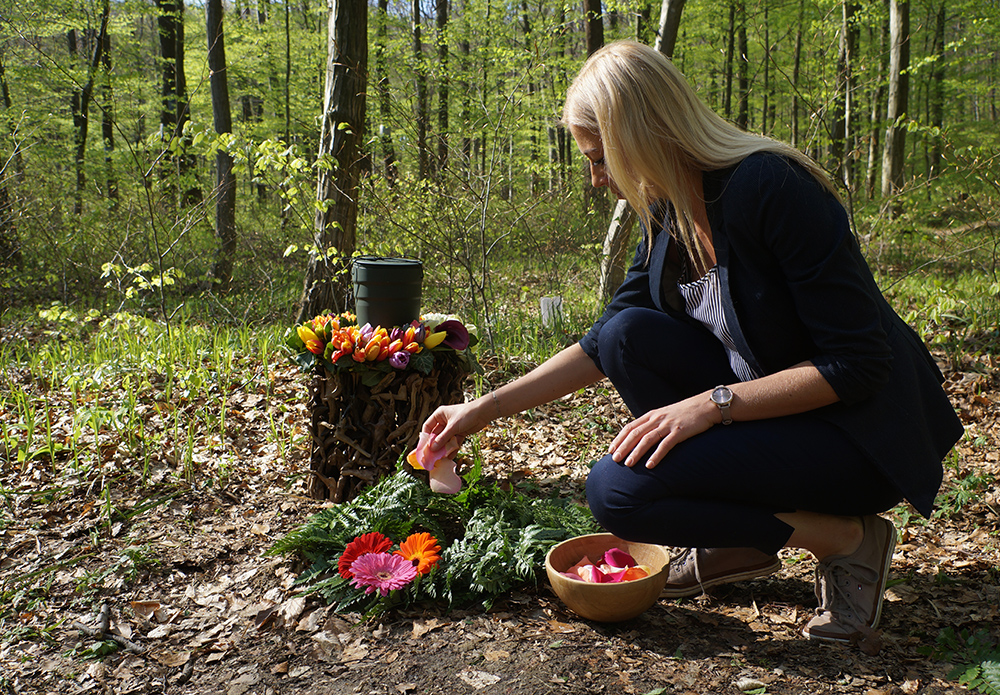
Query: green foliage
column 976, row 659
column 492, row 540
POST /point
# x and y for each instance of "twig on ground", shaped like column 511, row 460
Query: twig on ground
column 101, row 631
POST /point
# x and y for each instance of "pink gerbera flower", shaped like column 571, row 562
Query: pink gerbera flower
column 373, row 542
column 382, row 572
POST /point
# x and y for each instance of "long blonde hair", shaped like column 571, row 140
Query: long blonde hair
column 657, row 134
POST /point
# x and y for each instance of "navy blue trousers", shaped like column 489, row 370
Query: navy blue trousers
column 720, row 488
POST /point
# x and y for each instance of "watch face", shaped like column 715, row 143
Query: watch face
column 722, row 395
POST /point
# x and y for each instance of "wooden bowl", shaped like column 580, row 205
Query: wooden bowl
column 612, row 602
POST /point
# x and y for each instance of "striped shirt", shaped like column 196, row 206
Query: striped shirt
column 703, row 302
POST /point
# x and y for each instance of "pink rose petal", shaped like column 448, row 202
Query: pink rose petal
column 444, row 478
column 619, row 558
column 423, row 457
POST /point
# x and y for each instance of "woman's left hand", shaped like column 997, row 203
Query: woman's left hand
column 662, row 429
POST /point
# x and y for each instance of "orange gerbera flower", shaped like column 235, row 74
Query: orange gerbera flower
column 422, row 550
column 373, row 542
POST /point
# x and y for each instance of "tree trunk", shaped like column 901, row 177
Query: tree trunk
column 382, row 88
column 796, row 64
column 225, row 202
column 81, row 104
column 443, row 96
column 899, row 91
column 174, row 109
column 841, row 136
column 108, row 118
column 465, row 115
column 288, row 77
column 670, row 21
column 614, row 254
column 10, row 245
column 420, row 75
column 727, row 99
column 594, row 35
column 644, row 24
column 767, row 74
column 593, row 24
column 743, row 116
column 327, row 275
column 877, row 113
column 937, row 89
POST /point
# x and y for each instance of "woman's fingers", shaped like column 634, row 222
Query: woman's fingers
column 658, row 431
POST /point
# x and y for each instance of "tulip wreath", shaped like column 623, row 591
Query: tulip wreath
column 336, row 342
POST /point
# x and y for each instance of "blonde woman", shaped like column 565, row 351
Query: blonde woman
column 778, row 399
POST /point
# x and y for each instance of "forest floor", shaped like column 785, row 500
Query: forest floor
column 176, row 569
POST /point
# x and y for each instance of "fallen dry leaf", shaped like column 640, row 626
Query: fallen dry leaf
column 173, row 659
column 145, row 609
column 494, row 655
column 478, row 679
column 422, row 627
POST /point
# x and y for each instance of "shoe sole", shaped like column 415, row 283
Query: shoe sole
column 751, row 573
column 884, row 573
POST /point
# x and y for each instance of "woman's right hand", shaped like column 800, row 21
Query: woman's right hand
column 451, row 424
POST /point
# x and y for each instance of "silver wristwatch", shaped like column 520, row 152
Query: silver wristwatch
column 723, row 397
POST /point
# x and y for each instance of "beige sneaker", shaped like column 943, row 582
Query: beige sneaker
column 695, row 570
column 850, row 587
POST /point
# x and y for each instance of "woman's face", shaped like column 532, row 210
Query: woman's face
column 592, row 148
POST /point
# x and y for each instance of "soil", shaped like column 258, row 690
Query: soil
column 175, row 562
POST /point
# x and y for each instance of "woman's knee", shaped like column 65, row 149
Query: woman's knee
column 610, row 501
column 617, row 333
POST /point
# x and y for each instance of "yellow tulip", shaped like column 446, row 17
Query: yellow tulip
column 306, row 334
column 434, row 339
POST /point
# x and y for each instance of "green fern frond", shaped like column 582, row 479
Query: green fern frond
column 492, row 539
column 987, row 681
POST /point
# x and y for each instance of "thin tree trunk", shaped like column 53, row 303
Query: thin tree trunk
column 743, row 117
column 727, row 98
column 644, row 24
column 174, row 109
column 593, row 25
column 841, row 139
column 899, row 90
column 420, row 75
column 107, row 119
column 937, row 89
column 796, row 63
column 288, row 74
column 10, row 244
column 225, row 202
column 670, row 22
column 614, row 251
column 767, row 73
column 382, row 88
column 81, row 106
column 341, row 135
column 594, row 38
column 878, row 111
column 443, row 80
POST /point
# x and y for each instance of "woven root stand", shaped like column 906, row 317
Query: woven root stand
column 359, row 433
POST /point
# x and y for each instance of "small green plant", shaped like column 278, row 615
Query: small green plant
column 976, row 658
column 961, row 492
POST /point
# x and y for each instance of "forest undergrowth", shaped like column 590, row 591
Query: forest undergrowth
column 146, row 472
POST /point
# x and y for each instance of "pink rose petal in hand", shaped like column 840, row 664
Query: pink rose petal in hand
column 423, row 457
column 444, row 478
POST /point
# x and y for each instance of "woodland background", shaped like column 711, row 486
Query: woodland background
column 170, row 205
column 155, row 144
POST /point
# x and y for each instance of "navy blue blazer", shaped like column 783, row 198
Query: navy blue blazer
column 795, row 287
